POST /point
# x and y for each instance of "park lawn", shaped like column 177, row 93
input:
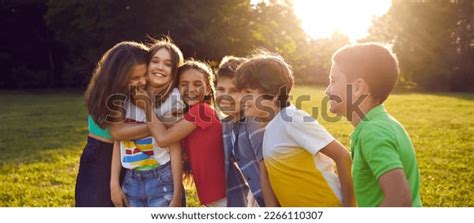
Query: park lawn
column 43, row 134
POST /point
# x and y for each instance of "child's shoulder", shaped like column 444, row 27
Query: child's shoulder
column 202, row 105
column 294, row 111
column 202, row 110
column 296, row 117
column 174, row 96
column 172, row 103
column 292, row 120
column 382, row 130
column 175, row 91
column 252, row 125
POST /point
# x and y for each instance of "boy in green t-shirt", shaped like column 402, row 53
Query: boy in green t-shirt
column 384, row 168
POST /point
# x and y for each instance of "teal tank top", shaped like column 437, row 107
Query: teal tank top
column 96, row 130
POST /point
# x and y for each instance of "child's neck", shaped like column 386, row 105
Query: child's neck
column 156, row 91
column 266, row 120
column 365, row 108
column 234, row 118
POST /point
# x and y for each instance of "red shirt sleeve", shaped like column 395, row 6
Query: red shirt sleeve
column 200, row 114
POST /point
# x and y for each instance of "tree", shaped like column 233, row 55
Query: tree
column 27, row 50
column 207, row 29
column 463, row 75
column 86, row 29
column 316, row 59
column 424, row 37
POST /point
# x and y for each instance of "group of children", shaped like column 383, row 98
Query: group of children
column 242, row 141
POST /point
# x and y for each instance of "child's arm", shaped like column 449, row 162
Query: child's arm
column 177, row 172
column 256, row 133
column 268, row 196
column 341, row 156
column 126, row 131
column 384, row 162
column 117, row 196
column 165, row 137
column 395, row 187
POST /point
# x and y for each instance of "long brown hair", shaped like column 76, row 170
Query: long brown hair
column 177, row 60
column 110, row 79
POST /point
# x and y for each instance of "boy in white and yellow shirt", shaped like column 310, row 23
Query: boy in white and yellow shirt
column 298, row 152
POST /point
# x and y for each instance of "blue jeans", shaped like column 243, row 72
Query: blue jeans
column 149, row 188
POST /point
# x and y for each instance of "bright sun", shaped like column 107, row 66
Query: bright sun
column 321, row 18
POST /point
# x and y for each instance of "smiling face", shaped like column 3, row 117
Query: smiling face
column 193, row 86
column 227, row 96
column 159, row 69
column 257, row 104
column 337, row 91
column 137, row 77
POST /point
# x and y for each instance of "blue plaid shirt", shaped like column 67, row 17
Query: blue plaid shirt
column 242, row 151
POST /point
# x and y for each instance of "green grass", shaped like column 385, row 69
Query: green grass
column 43, row 134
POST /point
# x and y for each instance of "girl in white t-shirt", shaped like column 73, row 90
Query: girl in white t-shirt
column 153, row 175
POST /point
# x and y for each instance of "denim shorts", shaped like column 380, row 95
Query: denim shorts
column 149, row 188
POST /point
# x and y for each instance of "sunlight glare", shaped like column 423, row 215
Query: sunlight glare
column 321, row 18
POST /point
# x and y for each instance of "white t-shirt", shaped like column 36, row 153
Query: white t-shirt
column 144, row 154
column 299, row 174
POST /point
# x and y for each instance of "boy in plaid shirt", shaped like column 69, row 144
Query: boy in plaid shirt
column 244, row 168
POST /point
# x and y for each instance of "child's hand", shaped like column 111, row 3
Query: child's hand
column 171, row 118
column 141, row 98
column 175, row 202
column 118, row 197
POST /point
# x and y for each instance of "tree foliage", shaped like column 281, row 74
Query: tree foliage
column 433, row 40
column 56, row 43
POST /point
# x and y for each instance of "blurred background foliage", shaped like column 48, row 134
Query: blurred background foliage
column 56, row 43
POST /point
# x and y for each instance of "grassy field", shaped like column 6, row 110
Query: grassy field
column 42, row 136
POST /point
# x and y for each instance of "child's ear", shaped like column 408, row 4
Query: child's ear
column 360, row 87
column 275, row 100
column 208, row 89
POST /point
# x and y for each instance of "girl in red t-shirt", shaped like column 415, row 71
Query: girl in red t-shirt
column 200, row 132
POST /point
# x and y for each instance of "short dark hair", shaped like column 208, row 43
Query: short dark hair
column 372, row 62
column 229, row 65
column 269, row 73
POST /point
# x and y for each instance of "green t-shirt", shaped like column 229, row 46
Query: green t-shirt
column 96, row 130
column 379, row 144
